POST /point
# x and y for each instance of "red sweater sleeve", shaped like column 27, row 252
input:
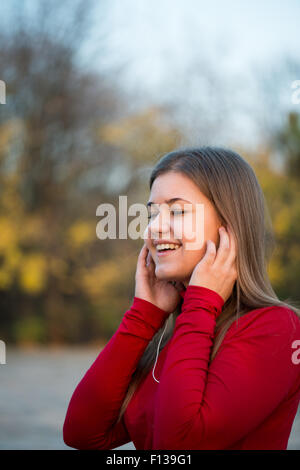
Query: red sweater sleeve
column 97, row 399
column 201, row 407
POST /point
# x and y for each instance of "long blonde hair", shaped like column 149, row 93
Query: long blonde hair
column 230, row 183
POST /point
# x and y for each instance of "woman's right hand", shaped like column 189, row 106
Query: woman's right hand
column 161, row 293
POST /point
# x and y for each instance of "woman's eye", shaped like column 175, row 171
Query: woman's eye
column 178, row 212
column 174, row 212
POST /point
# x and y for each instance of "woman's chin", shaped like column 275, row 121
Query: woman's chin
column 165, row 274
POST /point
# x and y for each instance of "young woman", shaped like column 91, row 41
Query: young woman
column 228, row 376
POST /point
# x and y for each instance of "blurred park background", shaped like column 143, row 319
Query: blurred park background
column 96, row 92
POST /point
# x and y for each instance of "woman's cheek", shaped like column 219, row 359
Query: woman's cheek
column 191, row 235
column 182, row 228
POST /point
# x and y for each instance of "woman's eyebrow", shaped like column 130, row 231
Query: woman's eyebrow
column 169, row 201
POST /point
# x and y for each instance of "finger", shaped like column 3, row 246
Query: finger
column 150, row 259
column 233, row 247
column 150, row 264
column 142, row 256
column 210, row 254
column 224, row 247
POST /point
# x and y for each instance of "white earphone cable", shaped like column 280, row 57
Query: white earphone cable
column 158, row 349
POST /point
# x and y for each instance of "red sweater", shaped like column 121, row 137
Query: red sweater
column 246, row 398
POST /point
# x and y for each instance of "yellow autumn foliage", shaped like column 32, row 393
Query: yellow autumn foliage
column 282, row 221
column 142, row 136
column 11, row 202
column 97, row 280
column 276, row 271
column 6, row 278
column 294, row 255
column 33, row 273
column 34, row 228
column 81, row 233
column 57, row 266
column 10, row 253
column 9, row 234
column 9, row 131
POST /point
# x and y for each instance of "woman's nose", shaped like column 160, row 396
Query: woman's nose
column 161, row 223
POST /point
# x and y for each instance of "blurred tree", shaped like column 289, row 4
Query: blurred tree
column 67, row 144
column 288, row 141
column 282, row 193
column 58, row 282
column 275, row 98
column 54, row 101
column 47, row 142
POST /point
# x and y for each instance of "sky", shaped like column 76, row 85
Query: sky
column 149, row 33
column 160, row 40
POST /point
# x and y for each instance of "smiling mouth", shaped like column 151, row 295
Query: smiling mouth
column 167, row 251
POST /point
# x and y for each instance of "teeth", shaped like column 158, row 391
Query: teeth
column 163, row 246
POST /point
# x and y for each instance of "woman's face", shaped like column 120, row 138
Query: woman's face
column 168, row 222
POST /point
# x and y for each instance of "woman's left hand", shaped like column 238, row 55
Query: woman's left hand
column 217, row 269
